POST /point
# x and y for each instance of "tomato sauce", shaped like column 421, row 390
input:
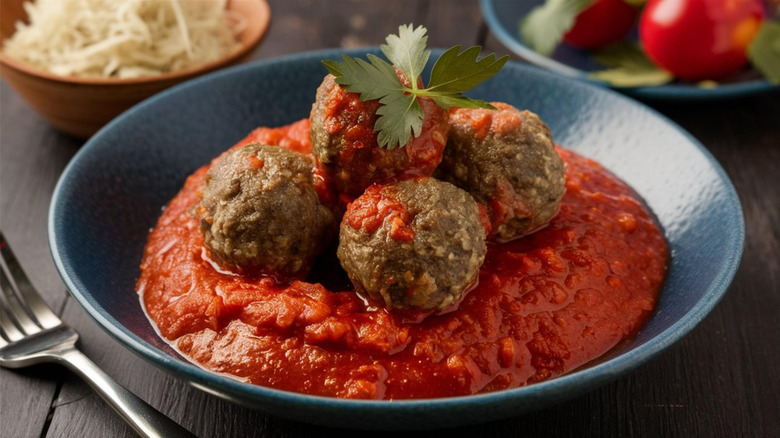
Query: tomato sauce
column 359, row 161
column 294, row 137
column 545, row 305
column 372, row 209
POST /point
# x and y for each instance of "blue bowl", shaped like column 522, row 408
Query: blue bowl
column 111, row 194
column 503, row 19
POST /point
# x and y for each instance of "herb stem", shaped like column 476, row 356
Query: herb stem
column 424, row 92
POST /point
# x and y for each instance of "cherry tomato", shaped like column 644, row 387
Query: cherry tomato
column 700, row 39
column 601, row 23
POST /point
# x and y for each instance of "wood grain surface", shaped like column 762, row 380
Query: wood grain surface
column 722, row 380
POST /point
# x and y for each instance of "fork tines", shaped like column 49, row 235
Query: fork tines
column 22, row 310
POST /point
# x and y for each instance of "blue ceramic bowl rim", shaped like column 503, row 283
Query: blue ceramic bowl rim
column 573, row 383
column 660, row 92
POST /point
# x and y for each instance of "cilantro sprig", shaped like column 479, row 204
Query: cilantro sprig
column 400, row 113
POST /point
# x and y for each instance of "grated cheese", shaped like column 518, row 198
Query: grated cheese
column 123, row 39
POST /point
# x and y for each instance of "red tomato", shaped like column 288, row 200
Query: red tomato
column 601, row 23
column 700, row 39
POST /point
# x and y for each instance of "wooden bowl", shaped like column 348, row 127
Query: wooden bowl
column 80, row 106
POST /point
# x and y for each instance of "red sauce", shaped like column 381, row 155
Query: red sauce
column 361, row 162
column 372, row 209
column 294, row 137
column 545, row 304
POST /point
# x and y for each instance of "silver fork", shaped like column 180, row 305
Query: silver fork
column 31, row 333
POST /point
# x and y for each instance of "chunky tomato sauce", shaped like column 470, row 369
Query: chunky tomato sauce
column 545, row 304
column 294, row 137
column 359, row 161
column 372, row 209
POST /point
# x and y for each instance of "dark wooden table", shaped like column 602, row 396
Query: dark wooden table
column 721, row 380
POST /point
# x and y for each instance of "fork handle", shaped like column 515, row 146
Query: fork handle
column 146, row 420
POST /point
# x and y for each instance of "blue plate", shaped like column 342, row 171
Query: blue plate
column 503, row 18
column 111, row 194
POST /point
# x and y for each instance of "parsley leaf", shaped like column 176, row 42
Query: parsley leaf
column 448, row 101
column 400, row 116
column 372, row 80
column 458, row 72
column 543, row 28
column 400, row 113
column 407, row 51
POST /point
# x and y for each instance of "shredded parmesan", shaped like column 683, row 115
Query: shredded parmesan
column 123, row 39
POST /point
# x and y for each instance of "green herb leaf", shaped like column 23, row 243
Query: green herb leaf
column 400, row 116
column 764, row 51
column 407, row 51
column 372, row 80
column 448, row 101
column 630, row 67
column 543, row 28
column 458, row 72
column 400, row 113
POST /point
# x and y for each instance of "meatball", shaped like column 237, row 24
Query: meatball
column 345, row 145
column 506, row 159
column 416, row 244
column 260, row 213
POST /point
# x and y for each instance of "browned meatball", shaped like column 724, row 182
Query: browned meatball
column 506, row 159
column 416, row 244
column 345, row 145
column 260, row 213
